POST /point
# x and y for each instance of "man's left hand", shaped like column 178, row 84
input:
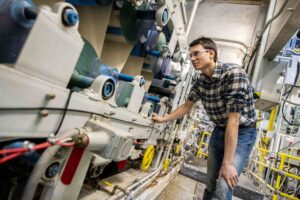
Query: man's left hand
column 230, row 175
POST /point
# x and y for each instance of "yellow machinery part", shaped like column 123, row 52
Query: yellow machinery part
column 177, row 148
column 166, row 164
column 107, row 183
column 148, row 157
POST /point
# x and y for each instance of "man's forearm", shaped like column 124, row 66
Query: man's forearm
column 231, row 137
column 180, row 111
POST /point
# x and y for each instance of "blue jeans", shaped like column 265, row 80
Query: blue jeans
column 218, row 189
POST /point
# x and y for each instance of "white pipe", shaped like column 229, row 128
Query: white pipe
column 195, row 6
column 42, row 164
column 260, row 55
column 135, row 188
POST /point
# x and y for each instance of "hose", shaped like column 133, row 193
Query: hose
column 263, row 30
column 42, row 164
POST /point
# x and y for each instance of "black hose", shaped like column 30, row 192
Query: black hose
column 263, row 30
column 289, row 92
column 69, row 110
column 64, row 113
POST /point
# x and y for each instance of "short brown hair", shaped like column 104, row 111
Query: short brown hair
column 207, row 43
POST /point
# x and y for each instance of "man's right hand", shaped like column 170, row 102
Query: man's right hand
column 157, row 119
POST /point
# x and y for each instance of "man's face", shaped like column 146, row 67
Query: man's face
column 201, row 57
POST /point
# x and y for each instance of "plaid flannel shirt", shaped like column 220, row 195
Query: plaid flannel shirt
column 228, row 90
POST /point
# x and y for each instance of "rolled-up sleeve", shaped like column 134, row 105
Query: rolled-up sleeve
column 193, row 96
column 237, row 90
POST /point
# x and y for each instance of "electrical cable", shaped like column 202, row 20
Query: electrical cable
column 64, row 113
column 69, row 110
column 288, row 147
column 16, row 152
column 286, row 101
column 258, row 42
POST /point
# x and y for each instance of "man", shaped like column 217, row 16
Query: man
column 227, row 97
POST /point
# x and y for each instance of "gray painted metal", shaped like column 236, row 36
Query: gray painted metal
column 283, row 28
column 232, row 25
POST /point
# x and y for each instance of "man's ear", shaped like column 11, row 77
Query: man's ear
column 211, row 54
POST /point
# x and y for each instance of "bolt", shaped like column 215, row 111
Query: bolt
column 70, row 17
column 52, row 170
column 44, row 113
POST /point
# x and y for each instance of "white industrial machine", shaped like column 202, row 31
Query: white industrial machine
column 75, row 115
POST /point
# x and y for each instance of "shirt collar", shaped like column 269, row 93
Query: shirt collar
column 217, row 71
column 216, row 74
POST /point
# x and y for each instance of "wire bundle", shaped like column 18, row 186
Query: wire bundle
column 11, row 153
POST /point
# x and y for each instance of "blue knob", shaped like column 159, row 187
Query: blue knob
column 143, row 81
column 153, row 53
column 153, row 98
column 165, row 16
column 70, row 17
column 108, row 89
column 52, row 170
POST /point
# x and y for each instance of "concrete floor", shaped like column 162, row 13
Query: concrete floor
column 184, row 188
column 180, row 188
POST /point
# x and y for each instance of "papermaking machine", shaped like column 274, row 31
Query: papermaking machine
column 75, row 114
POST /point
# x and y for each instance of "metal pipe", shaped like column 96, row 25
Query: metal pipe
column 42, row 165
column 272, row 118
column 134, row 189
column 289, row 156
column 232, row 41
column 271, row 188
column 278, row 170
column 195, row 6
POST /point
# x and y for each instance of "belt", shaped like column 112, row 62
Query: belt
column 253, row 125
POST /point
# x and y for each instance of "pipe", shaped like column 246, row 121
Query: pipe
column 194, row 9
column 272, row 118
column 42, row 165
column 271, row 188
column 232, row 41
column 153, row 98
column 133, row 186
column 279, row 171
column 125, row 77
column 136, row 187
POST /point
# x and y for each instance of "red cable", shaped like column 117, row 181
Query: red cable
column 66, row 144
column 15, row 152
column 9, row 157
column 41, row 146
